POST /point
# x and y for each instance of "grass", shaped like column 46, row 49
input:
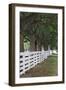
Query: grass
column 48, row 67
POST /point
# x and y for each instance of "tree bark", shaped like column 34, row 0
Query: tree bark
column 38, row 46
column 35, row 45
column 21, row 42
column 45, row 47
column 32, row 43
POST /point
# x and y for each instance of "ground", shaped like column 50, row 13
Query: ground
column 48, row 67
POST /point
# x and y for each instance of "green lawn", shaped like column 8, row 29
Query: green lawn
column 46, row 68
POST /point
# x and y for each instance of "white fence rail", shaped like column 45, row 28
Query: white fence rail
column 29, row 59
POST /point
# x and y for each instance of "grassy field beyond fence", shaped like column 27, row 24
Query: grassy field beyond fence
column 48, row 67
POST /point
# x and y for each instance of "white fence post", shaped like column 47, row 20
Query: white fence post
column 29, row 59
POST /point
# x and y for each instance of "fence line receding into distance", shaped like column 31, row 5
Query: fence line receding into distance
column 28, row 60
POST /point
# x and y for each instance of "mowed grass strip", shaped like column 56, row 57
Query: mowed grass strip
column 48, row 67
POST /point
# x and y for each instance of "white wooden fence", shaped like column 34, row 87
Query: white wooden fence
column 28, row 60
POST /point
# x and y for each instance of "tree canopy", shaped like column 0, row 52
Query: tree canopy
column 40, row 29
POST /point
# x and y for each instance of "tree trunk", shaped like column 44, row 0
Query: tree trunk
column 21, row 42
column 38, row 46
column 32, row 43
column 35, row 45
column 45, row 47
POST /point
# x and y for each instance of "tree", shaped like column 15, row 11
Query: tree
column 40, row 29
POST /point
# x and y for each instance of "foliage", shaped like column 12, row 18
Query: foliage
column 43, row 26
